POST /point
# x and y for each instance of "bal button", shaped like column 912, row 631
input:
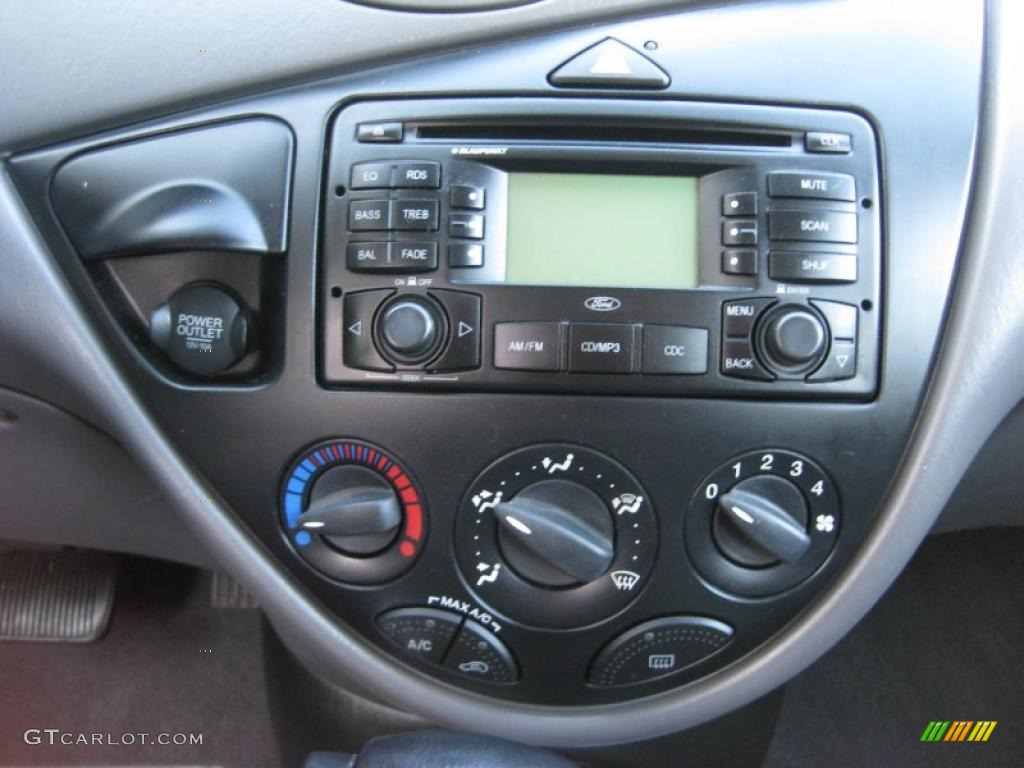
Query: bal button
column 410, row 330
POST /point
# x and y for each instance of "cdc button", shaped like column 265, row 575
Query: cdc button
column 675, row 349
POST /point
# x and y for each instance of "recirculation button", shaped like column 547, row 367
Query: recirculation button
column 658, row 648
column 477, row 653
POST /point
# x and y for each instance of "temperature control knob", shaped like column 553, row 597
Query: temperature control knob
column 354, row 508
column 556, row 533
column 353, row 512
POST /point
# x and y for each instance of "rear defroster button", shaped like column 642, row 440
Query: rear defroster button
column 658, row 648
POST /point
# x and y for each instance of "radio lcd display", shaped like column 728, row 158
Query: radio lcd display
column 602, row 230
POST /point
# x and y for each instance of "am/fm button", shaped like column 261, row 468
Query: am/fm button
column 527, row 346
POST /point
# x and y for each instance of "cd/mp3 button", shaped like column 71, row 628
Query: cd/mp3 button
column 601, row 348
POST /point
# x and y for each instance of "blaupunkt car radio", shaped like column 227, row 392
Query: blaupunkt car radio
column 601, row 246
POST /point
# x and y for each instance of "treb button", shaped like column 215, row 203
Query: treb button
column 412, row 214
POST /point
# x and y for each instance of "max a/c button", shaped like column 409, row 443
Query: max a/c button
column 527, row 346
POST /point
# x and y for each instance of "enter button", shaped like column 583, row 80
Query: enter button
column 675, row 349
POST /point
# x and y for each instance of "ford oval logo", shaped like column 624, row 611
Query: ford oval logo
column 602, row 303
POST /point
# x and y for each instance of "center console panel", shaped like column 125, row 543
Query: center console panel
column 556, row 395
column 785, row 295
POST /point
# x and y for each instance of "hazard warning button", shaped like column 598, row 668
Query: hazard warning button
column 609, row 64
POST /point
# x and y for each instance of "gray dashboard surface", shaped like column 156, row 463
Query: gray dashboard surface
column 74, row 66
column 978, row 381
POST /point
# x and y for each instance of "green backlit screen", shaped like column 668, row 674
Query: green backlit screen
column 602, row 230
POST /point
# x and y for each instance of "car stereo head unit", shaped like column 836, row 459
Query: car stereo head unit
column 645, row 247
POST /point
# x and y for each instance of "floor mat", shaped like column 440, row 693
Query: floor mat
column 945, row 643
column 170, row 668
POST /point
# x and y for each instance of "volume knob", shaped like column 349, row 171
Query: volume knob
column 410, row 329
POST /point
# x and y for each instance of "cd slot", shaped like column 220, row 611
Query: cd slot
column 625, row 133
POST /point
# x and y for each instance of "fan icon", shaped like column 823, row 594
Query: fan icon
column 825, row 523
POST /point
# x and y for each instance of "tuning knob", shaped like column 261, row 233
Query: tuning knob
column 762, row 521
column 556, row 533
column 354, row 509
column 794, row 338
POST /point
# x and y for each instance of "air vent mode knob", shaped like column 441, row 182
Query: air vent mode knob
column 556, row 533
